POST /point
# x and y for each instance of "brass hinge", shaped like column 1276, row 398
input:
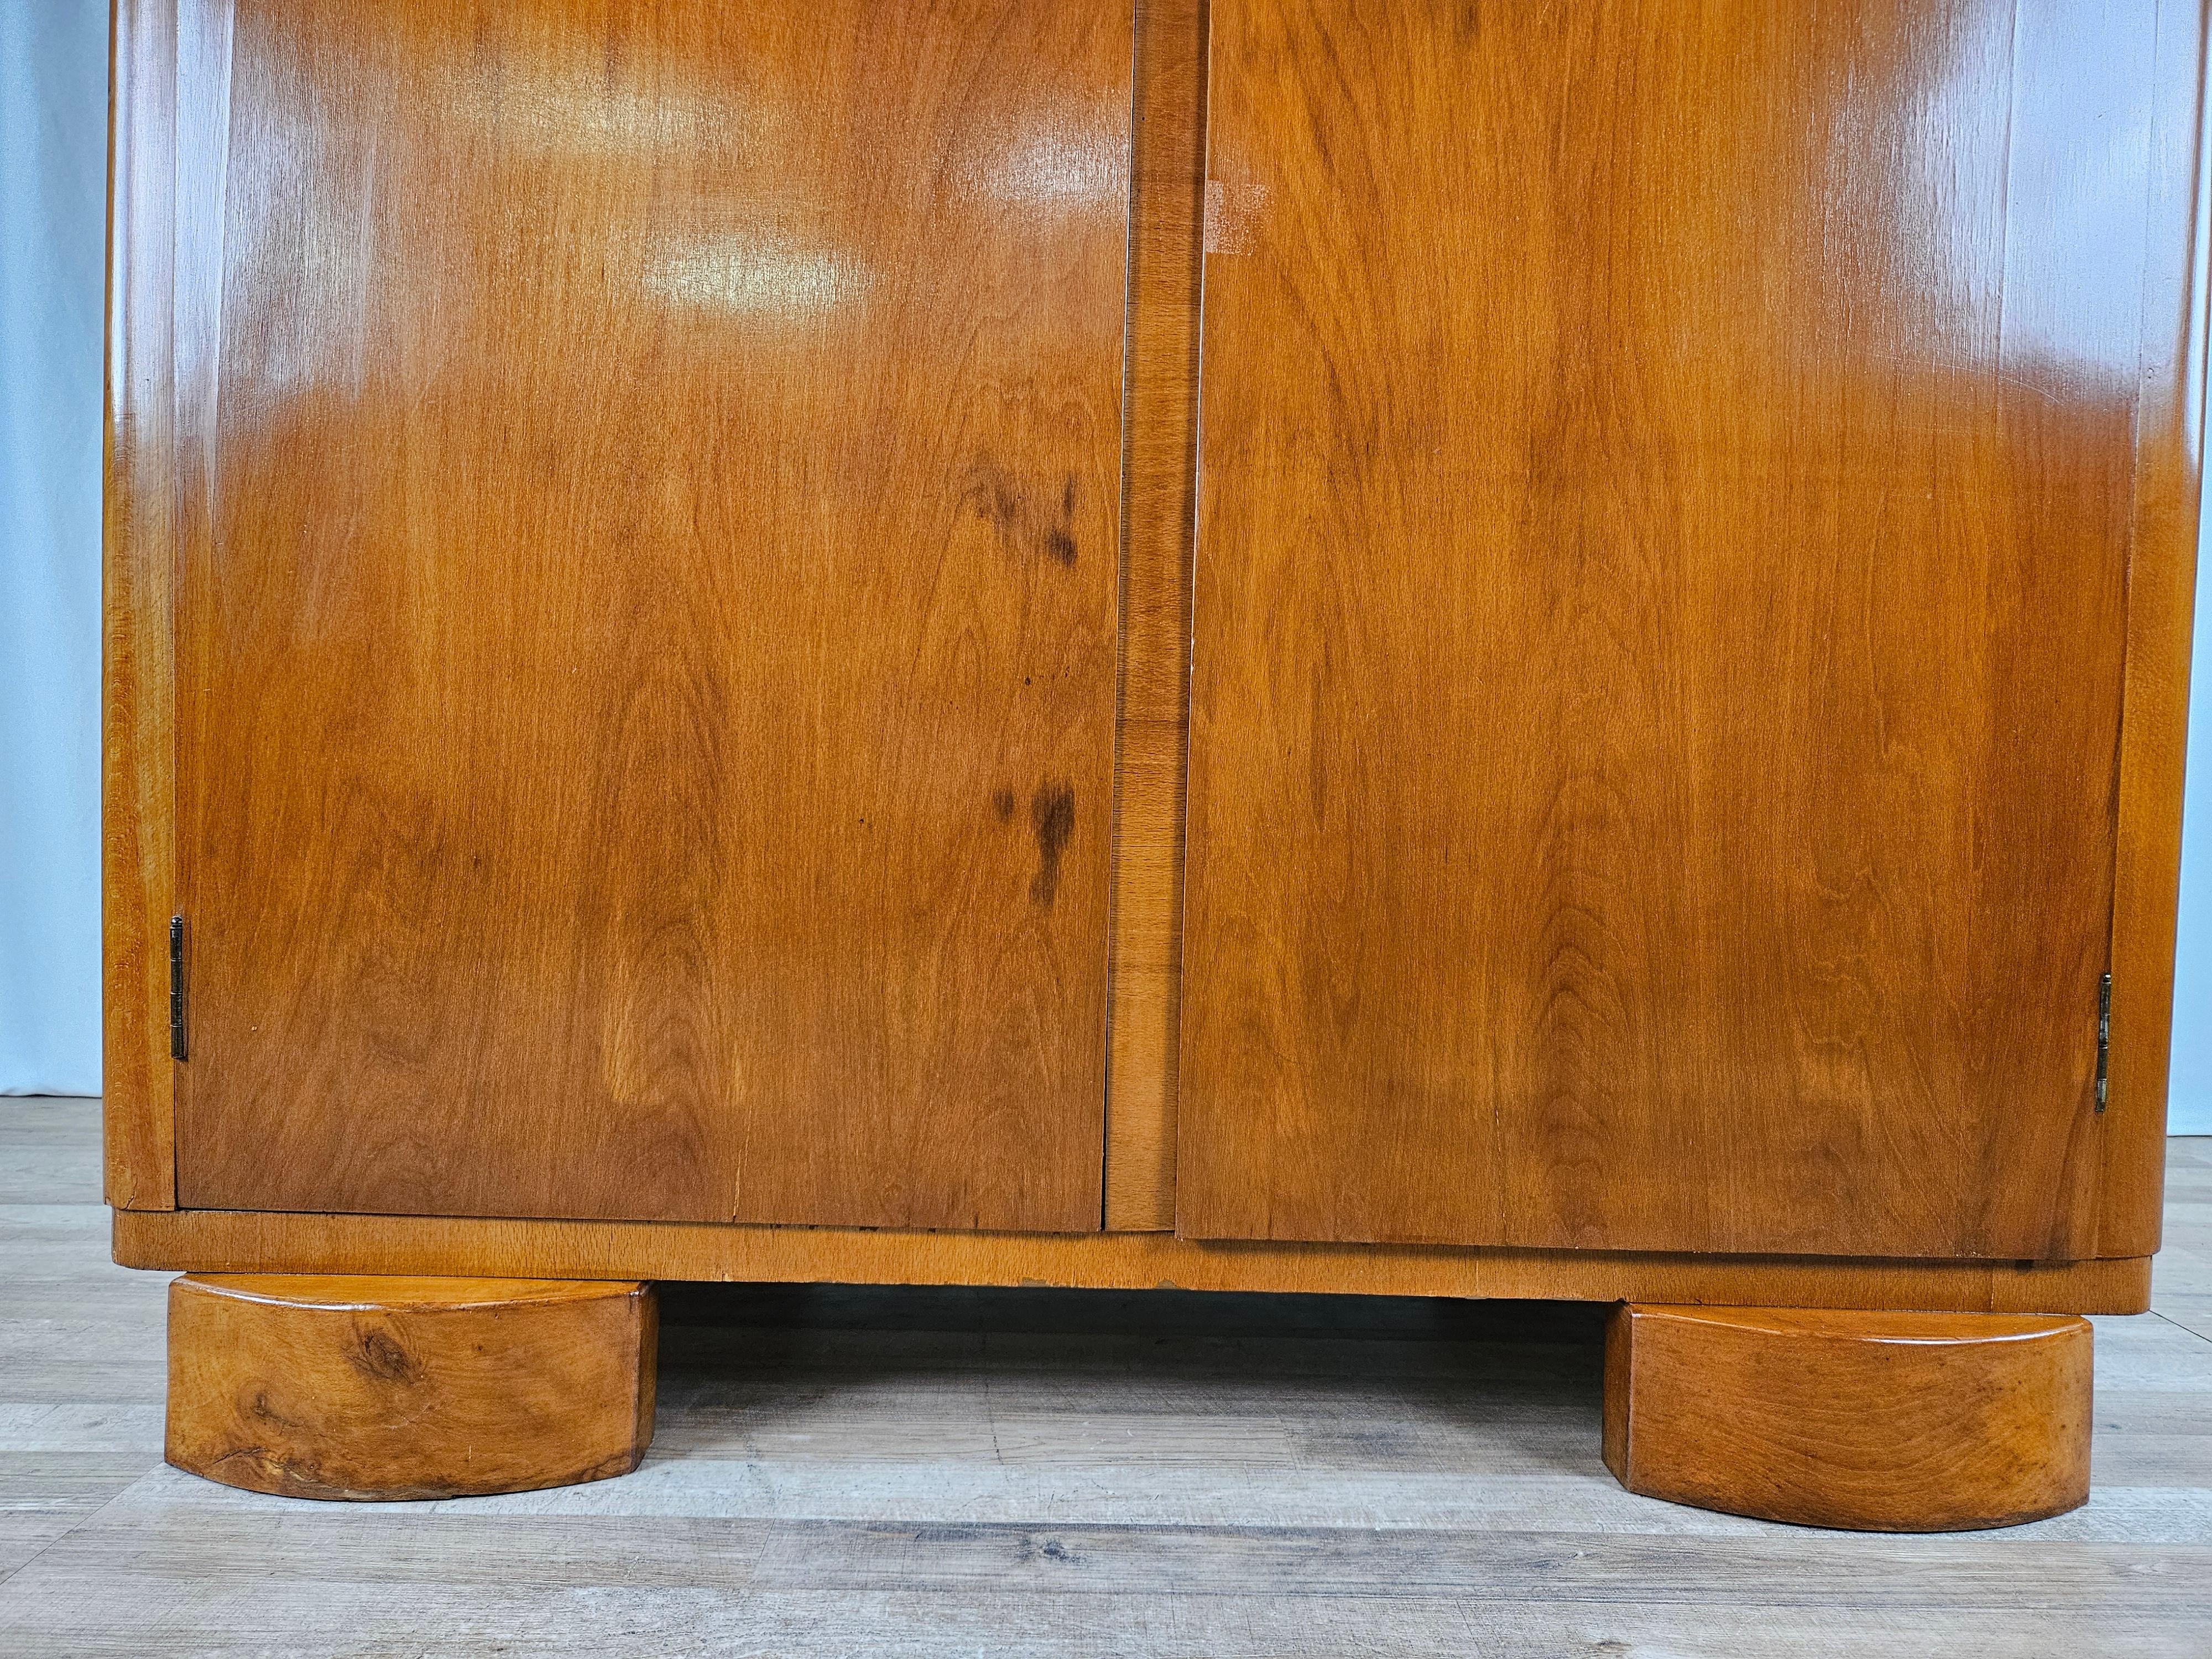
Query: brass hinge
column 2104, row 1038
column 176, row 987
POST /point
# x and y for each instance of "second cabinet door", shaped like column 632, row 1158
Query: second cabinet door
column 646, row 633
column 1661, row 587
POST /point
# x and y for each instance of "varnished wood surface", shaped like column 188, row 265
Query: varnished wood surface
column 1666, row 501
column 137, row 613
column 1034, row 1473
column 1160, row 459
column 649, row 668
column 391, row 1388
column 164, row 454
column 2154, row 733
column 202, row 1241
column 1883, row 1422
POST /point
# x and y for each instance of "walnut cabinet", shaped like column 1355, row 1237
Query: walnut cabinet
column 1474, row 650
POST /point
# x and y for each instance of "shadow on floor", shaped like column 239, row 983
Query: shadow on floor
column 1217, row 1313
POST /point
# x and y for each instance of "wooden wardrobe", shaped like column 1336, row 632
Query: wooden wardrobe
column 1493, row 649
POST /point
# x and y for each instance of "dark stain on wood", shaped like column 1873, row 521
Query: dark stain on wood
column 1022, row 522
column 1052, row 814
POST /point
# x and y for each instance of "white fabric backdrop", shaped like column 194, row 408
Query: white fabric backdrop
column 54, row 56
column 53, row 143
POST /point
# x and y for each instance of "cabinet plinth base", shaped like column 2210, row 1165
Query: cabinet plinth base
column 389, row 1387
column 1886, row 1422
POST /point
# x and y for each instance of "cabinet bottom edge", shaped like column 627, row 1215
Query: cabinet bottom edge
column 229, row 1241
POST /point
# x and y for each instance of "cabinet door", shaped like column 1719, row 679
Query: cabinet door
column 646, row 631
column 1662, row 565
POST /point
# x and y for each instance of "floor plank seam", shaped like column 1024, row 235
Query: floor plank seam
column 70, row 1531
column 2186, row 1331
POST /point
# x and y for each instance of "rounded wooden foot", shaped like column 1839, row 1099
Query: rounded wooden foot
column 408, row 1387
column 1888, row 1422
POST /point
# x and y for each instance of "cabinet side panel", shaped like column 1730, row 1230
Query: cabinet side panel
column 1160, row 462
column 138, row 733
column 2161, row 593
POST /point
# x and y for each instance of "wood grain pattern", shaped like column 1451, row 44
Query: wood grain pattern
column 2161, row 603
column 386, row 1388
column 138, row 660
column 1660, row 581
column 214, row 373
column 1885, row 1422
column 1160, row 460
column 202, row 1241
column 649, row 659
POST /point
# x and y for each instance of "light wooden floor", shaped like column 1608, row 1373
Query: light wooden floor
column 876, row 1472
